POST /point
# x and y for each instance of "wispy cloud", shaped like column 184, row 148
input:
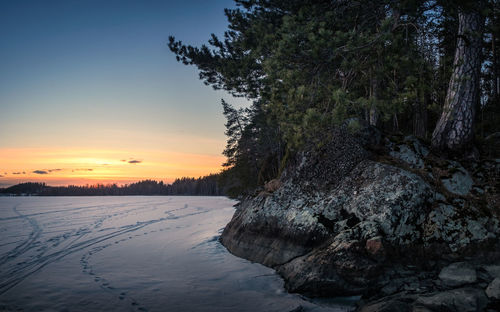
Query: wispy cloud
column 82, row 169
column 45, row 171
column 1, row 176
column 17, row 172
column 131, row 161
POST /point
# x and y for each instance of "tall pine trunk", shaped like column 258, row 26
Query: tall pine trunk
column 454, row 130
column 373, row 113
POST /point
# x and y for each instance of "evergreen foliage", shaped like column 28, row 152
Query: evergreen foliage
column 310, row 64
column 206, row 186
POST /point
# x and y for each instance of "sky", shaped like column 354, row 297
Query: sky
column 90, row 92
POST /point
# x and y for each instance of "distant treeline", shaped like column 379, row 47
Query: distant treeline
column 206, row 186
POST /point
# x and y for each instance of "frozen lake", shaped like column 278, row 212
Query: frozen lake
column 130, row 254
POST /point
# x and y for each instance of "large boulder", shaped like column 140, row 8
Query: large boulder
column 344, row 220
column 321, row 239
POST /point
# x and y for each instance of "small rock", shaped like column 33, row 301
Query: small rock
column 492, row 270
column 478, row 190
column 492, row 144
column 272, row 185
column 420, row 309
column 462, row 299
column 439, row 197
column 460, row 182
column 407, row 155
column 375, row 247
column 412, row 287
column 493, row 289
column 387, row 306
column 298, row 309
column 458, row 274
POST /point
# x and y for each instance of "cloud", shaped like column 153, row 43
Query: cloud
column 44, row 171
column 1, row 176
column 132, row 161
column 82, row 169
column 17, row 172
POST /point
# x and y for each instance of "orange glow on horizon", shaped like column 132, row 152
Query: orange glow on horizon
column 78, row 166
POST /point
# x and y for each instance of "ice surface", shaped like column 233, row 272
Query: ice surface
column 129, row 254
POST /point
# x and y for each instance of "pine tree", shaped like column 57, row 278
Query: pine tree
column 307, row 65
column 454, row 130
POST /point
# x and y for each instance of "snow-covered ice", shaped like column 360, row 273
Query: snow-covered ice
column 134, row 253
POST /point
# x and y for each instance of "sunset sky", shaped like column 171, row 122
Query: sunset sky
column 90, row 93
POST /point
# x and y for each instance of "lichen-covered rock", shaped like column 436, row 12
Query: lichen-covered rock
column 411, row 151
column 262, row 230
column 392, row 198
column 374, row 202
column 458, row 227
column 324, row 167
column 344, row 221
column 458, row 274
column 460, row 181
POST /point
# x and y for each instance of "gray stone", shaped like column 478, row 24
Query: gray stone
column 460, row 300
column 458, row 228
column 492, row 270
column 393, row 286
column 478, row 190
column 406, row 154
column 420, row 309
column 411, row 151
column 458, row 274
column 387, row 306
column 460, row 182
column 420, row 148
column 386, row 195
column 439, row 197
column 493, row 289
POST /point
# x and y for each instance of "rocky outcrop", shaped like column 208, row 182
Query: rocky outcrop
column 393, row 223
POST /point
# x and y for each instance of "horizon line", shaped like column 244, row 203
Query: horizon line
column 112, row 183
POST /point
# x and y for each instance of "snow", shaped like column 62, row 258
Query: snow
column 129, row 253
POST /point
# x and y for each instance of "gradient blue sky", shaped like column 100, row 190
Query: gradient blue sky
column 98, row 75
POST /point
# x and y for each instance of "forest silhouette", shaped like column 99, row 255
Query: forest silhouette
column 206, row 186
